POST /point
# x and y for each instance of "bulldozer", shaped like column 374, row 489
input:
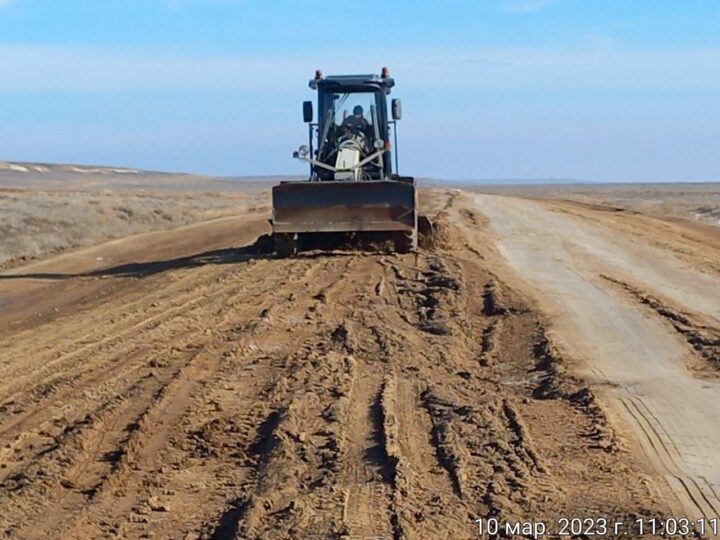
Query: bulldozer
column 352, row 189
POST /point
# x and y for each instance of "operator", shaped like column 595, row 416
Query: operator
column 357, row 121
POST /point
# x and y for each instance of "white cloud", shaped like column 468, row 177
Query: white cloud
column 595, row 68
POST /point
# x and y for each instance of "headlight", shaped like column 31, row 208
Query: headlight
column 304, row 150
column 379, row 144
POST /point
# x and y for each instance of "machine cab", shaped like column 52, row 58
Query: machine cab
column 352, row 134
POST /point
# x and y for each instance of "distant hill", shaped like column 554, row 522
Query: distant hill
column 64, row 176
column 55, row 176
column 43, row 168
column 504, row 181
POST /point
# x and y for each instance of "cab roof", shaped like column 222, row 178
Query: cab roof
column 352, row 80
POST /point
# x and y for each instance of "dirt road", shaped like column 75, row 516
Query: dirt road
column 636, row 318
column 186, row 384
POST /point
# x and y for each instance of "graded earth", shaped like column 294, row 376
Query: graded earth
column 538, row 357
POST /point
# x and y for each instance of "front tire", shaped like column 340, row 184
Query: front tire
column 406, row 242
column 285, row 245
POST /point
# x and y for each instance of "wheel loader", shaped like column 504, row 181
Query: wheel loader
column 352, row 189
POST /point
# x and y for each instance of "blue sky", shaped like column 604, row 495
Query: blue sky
column 606, row 90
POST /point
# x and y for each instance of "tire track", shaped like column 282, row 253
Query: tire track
column 252, row 314
column 58, row 415
column 704, row 503
column 119, row 365
column 103, row 382
column 129, row 313
column 703, row 339
column 368, row 470
column 64, row 460
column 196, row 299
column 263, row 384
column 424, row 494
column 209, row 280
column 119, row 491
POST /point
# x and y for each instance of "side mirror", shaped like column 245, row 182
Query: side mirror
column 307, row 112
column 396, row 109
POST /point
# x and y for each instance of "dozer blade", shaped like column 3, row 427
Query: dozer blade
column 305, row 207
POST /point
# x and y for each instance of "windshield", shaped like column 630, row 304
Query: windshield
column 352, row 118
column 354, row 107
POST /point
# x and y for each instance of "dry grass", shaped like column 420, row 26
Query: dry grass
column 34, row 223
column 47, row 208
